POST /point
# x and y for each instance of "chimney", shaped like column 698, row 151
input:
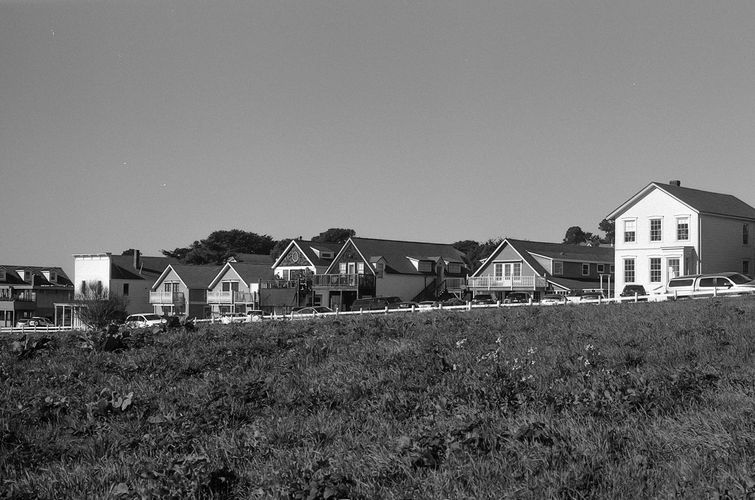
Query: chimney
column 675, row 183
column 137, row 259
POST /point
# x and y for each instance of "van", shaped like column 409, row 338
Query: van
column 372, row 303
column 707, row 285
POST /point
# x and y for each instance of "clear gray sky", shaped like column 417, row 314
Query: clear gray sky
column 149, row 124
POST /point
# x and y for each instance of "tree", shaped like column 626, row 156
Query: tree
column 279, row 246
column 220, row 245
column 335, row 235
column 474, row 252
column 98, row 307
column 575, row 236
column 609, row 228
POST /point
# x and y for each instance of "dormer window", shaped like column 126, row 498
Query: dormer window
column 21, row 274
column 425, row 266
column 558, row 268
column 454, row 268
column 50, row 276
column 326, row 255
column 3, row 275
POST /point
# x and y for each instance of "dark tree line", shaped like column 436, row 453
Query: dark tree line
column 219, row 246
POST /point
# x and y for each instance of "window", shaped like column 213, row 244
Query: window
column 380, row 269
column 454, row 268
column 352, row 267
column 745, row 234
column 655, row 270
column 682, row 228
column 745, row 267
column 360, row 267
column 517, row 270
column 680, row 283
column 601, row 268
column 655, row 229
column 630, row 228
column 498, row 271
column 673, row 267
column 341, row 268
column 585, row 269
column 612, row 269
column 707, row 282
column 558, row 268
column 125, row 289
column 629, row 270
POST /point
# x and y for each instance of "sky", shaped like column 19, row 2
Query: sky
column 151, row 123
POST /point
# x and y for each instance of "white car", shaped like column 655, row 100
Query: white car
column 229, row 318
column 144, row 320
column 36, row 321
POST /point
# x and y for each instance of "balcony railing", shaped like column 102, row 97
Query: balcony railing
column 230, row 297
column 343, row 281
column 507, row 283
column 279, row 284
column 20, row 297
column 162, row 297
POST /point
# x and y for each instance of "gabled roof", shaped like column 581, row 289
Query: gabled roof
column 249, row 273
column 13, row 278
column 253, row 258
column 555, row 251
column 397, row 254
column 193, row 277
column 704, row 202
column 310, row 249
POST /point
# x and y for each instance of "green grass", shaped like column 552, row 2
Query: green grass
column 619, row 401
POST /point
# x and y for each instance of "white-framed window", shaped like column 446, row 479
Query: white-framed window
column 229, row 286
column 512, row 271
column 674, row 266
column 352, row 266
column 655, row 269
column 601, row 268
column 360, row 267
column 341, row 268
column 630, row 231
column 629, row 270
column 656, row 232
column 498, row 271
column 585, row 269
column 558, row 268
column 682, row 228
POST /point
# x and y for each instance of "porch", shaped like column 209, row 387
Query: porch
column 167, row 298
column 518, row 283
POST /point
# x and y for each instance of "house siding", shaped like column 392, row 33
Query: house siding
column 656, row 204
column 722, row 249
column 506, row 254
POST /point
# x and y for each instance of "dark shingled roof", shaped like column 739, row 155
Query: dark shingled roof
column 12, row 277
column 196, row 276
column 708, row 202
column 397, row 253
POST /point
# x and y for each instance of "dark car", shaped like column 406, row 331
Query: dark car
column 517, row 298
column 372, row 303
column 483, row 299
column 312, row 311
column 634, row 290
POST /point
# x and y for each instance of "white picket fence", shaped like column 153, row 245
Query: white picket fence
column 34, row 329
column 469, row 306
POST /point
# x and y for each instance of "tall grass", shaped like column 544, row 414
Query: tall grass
column 621, row 401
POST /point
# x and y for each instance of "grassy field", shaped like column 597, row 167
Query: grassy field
column 614, row 401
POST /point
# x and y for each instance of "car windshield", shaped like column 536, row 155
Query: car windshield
column 739, row 279
column 151, row 317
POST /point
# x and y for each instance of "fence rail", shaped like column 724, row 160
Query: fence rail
column 34, row 329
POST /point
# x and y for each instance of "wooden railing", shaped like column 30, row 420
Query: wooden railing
column 343, row 281
column 507, row 283
column 20, row 297
column 279, row 284
column 162, row 297
column 229, row 297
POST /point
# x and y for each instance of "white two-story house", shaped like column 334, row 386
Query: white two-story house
column 667, row 230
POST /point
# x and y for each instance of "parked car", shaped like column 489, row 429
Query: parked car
column 372, row 303
column 144, row 320
column 634, row 291
column 453, row 302
column 36, row 321
column 237, row 317
column 405, row 305
column 553, row 299
column 254, row 315
column 517, row 298
column 729, row 283
column 428, row 304
column 312, row 311
column 483, row 299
